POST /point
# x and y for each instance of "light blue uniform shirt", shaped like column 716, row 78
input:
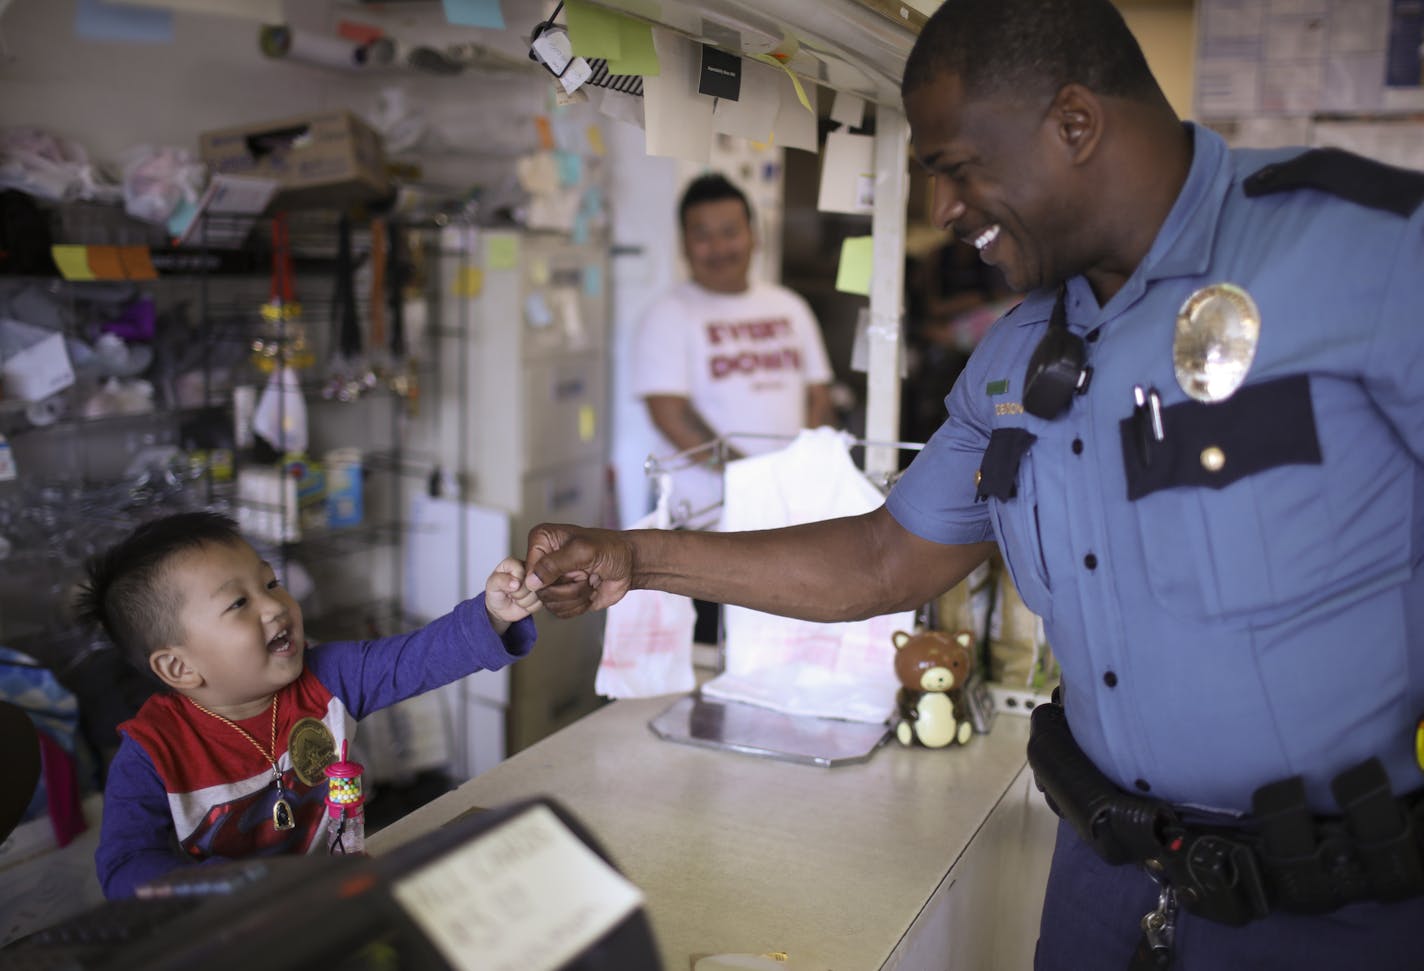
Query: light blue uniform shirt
column 1216, row 639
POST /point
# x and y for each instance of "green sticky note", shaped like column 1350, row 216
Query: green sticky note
column 502, row 252
column 1000, row 386
column 73, row 262
column 856, row 259
column 637, row 54
column 593, row 31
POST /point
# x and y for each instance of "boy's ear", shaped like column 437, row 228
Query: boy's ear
column 173, row 669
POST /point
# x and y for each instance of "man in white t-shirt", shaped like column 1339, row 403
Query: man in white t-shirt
column 719, row 355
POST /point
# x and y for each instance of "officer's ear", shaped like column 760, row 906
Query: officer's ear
column 1077, row 118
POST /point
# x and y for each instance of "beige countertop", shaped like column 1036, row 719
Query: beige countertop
column 737, row 853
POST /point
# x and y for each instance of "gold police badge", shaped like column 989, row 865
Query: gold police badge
column 312, row 749
column 1218, row 329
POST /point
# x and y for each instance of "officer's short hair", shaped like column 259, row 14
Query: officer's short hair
column 128, row 591
column 712, row 187
column 1033, row 47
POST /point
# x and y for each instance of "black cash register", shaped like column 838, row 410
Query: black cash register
column 524, row 887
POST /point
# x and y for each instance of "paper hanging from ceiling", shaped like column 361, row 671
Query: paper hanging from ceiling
column 753, row 114
column 677, row 120
column 847, row 174
column 795, row 126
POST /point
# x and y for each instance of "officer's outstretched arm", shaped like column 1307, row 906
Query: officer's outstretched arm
column 839, row 569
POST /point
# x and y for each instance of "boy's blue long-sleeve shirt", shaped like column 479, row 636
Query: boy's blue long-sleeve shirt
column 184, row 786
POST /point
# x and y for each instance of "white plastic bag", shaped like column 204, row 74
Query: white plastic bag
column 158, row 180
column 49, row 167
column 647, row 637
column 281, row 415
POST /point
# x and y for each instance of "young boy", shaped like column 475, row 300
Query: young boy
column 228, row 763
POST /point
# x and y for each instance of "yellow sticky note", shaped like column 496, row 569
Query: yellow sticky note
column 857, row 256
column 795, row 81
column 637, row 55
column 73, row 262
column 595, row 139
column 501, row 252
column 593, row 31
column 539, row 272
column 469, row 281
column 588, row 423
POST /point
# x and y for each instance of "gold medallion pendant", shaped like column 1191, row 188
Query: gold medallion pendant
column 1217, row 331
column 312, row 748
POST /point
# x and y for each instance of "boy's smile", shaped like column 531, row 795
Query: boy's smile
column 242, row 631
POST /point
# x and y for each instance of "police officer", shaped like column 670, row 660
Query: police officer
column 1199, row 442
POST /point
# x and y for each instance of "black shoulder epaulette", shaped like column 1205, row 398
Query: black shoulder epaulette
column 1360, row 180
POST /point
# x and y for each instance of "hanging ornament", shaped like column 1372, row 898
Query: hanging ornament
column 282, row 341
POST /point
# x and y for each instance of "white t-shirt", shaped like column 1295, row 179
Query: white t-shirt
column 744, row 360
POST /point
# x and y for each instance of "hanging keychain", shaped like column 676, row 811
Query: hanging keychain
column 344, row 801
column 284, row 340
column 345, row 380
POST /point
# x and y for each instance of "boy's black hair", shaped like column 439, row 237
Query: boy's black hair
column 712, row 187
column 1030, row 47
column 128, row 592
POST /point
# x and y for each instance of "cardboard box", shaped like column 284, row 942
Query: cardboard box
column 328, row 159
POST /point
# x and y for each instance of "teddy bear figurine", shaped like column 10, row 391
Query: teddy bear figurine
column 932, row 667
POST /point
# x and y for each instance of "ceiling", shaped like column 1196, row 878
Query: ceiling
column 859, row 46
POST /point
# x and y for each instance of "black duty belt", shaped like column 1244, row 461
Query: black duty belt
column 1280, row 857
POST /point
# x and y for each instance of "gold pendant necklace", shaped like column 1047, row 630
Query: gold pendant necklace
column 282, row 817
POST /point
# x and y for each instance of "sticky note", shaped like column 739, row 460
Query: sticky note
column 636, row 52
column 73, row 262
column 593, row 31
column 137, row 263
column 475, row 13
column 105, row 263
column 593, row 280
column 546, row 133
column 501, row 252
column 857, row 257
column 588, row 423
column 539, row 272
column 795, row 81
column 469, row 281
column 595, row 140
column 94, row 20
column 570, row 168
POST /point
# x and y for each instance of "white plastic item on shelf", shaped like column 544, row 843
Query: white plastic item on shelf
column 267, row 505
column 38, row 371
column 344, row 500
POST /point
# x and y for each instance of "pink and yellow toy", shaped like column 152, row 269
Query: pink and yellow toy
column 347, row 826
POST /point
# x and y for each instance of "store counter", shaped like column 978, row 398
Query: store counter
column 914, row 859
